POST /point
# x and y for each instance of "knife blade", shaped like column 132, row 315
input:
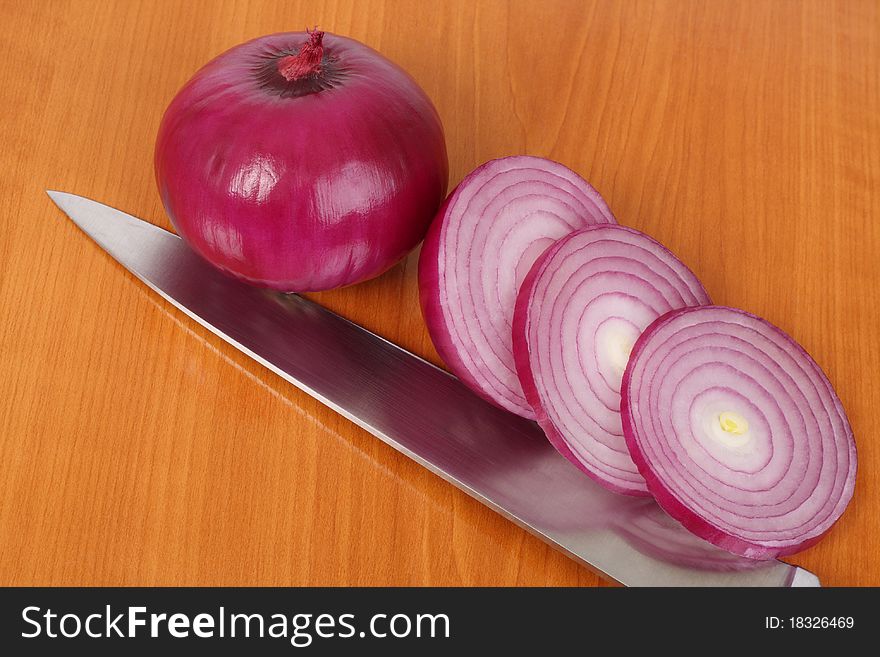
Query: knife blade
column 500, row 459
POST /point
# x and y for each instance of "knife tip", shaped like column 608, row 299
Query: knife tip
column 65, row 201
column 56, row 196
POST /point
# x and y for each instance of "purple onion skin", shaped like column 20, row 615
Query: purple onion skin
column 670, row 503
column 306, row 185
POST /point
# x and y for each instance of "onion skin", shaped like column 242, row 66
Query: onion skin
column 805, row 379
column 565, row 196
column 612, row 261
column 306, row 184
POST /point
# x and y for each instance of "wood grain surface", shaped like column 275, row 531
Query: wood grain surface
column 137, row 448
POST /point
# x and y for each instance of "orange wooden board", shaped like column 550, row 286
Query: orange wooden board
column 137, row 448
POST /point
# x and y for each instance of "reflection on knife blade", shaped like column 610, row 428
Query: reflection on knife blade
column 500, row 459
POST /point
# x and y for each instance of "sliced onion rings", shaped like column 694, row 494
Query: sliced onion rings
column 578, row 314
column 737, row 431
column 479, row 249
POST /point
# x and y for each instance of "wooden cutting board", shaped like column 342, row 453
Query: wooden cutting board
column 137, row 448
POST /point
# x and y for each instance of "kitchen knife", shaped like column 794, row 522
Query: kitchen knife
column 500, row 459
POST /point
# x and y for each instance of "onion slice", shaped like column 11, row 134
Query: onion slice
column 578, row 314
column 737, row 431
column 478, row 250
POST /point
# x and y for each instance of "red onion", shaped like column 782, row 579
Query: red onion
column 301, row 161
column 578, row 314
column 478, row 250
column 737, row 431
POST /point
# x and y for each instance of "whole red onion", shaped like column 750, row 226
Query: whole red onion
column 301, row 161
